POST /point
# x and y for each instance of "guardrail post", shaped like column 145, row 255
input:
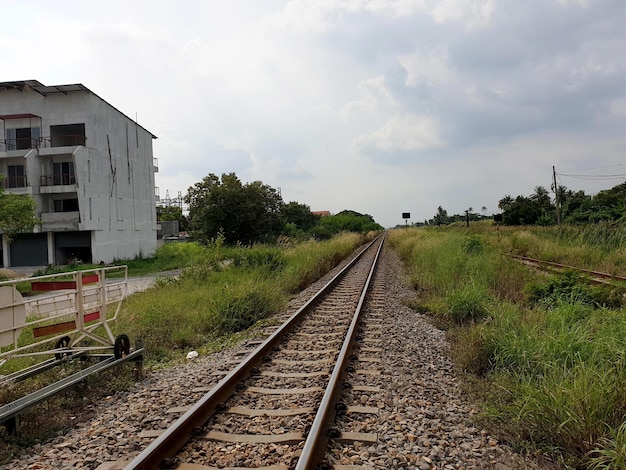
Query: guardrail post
column 138, row 370
column 13, row 425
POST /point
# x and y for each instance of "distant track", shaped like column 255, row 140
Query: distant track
column 594, row 276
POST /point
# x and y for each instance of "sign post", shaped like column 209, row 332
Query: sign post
column 406, row 216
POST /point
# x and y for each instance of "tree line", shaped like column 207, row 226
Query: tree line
column 569, row 206
column 247, row 213
column 540, row 208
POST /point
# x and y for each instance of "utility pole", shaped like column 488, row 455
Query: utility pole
column 557, row 199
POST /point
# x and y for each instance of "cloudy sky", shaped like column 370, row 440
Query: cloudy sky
column 379, row 106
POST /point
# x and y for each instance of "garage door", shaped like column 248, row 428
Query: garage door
column 29, row 250
column 70, row 247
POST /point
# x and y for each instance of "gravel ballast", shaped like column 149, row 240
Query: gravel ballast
column 425, row 419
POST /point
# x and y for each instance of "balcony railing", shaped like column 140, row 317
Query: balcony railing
column 42, row 142
column 19, row 144
column 16, row 182
column 59, row 179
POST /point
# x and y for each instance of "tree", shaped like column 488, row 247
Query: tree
column 505, row 203
column 536, row 209
column 441, row 217
column 299, row 215
column 240, row 213
column 542, row 200
column 345, row 221
column 17, row 213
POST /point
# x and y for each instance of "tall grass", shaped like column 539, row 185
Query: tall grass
column 225, row 290
column 600, row 246
column 459, row 275
column 554, row 350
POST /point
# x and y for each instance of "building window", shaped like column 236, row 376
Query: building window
column 17, row 177
column 67, row 135
column 66, row 205
column 63, row 173
column 22, row 138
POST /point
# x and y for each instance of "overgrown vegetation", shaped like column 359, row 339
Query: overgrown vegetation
column 226, row 208
column 224, row 290
column 547, row 350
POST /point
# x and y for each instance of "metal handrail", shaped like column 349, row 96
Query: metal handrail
column 58, row 179
column 16, row 182
column 25, row 143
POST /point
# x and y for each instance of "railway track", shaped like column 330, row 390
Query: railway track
column 410, row 402
column 305, row 388
column 596, row 277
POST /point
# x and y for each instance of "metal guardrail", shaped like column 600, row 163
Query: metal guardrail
column 9, row 413
column 71, row 308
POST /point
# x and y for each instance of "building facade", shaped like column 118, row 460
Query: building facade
column 89, row 168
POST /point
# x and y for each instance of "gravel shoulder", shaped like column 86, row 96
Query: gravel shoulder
column 426, row 420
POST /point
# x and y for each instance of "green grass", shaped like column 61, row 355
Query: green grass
column 225, row 290
column 547, row 352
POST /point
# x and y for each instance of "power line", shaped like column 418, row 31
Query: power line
column 593, row 177
column 600, row 167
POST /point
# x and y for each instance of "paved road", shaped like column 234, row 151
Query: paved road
column 141, row 283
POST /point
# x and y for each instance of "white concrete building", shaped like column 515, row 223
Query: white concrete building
column 89, row 168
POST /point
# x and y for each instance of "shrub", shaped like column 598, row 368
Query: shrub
column 569, row 287
column 468, row 304
column 473, row 245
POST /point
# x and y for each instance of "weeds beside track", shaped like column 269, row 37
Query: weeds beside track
column 547, row 354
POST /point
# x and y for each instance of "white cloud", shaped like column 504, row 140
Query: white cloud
column 405, row 132
column 472, row 13
column 374, row 100
column 582, row 3
column 426, row 65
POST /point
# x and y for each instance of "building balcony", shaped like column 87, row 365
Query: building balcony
column 17, row 185
column 15, row 182
column 26, row 143
column 57, row 183
column 59, row 221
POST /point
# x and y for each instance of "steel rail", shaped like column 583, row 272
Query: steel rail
column 36, row 369
column 315, row 445
column 565, row 266
column 11, row 411
column 179, row 433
